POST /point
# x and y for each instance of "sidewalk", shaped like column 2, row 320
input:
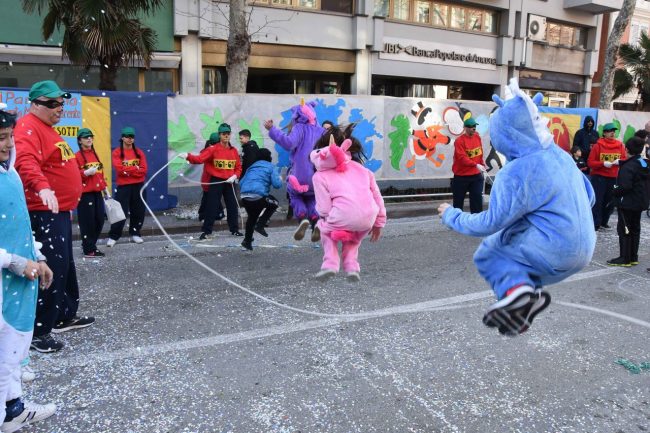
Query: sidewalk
column 184, row 220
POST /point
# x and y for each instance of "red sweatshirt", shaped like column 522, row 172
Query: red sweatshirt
column 45, row 160
column 606, row 149
column 130, row 169
column 224, row 161
column 468, row 151
column 96, row 182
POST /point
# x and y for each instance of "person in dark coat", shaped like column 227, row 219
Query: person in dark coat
column 632, row 198
column 249, row 149
column 586, row 137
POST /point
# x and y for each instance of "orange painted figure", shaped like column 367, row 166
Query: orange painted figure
column 423, row 146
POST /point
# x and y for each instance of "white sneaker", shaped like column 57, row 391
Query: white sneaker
column 324, row 274
column 33, row 412
column 27, row 374
column 137, row 239
column 353, row 277
column 110, row 243
column 300, row 231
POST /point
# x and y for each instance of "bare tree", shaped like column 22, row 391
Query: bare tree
column 239, row 47
column 611, row 53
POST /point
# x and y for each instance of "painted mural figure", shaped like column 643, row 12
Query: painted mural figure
column 303, row 132
column 348, row 200
column 538, row 228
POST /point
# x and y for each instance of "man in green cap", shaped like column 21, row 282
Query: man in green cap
column 468, row 168
column 49, row 171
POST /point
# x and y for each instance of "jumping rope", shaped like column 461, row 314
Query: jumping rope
column 228, row 280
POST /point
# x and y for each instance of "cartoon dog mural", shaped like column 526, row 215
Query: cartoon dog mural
column 422, row 142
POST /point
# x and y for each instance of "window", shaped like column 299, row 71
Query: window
column 635, row 32
column 565, row 35
column 439, row 14
column 423, row 11
column 400, row 9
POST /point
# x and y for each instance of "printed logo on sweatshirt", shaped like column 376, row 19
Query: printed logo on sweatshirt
column 471, row 153
column 97, row 165
column 131, row 162
column 224, row 164
column 66, row 151
column 610, row 157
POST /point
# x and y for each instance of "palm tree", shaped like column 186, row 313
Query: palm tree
column 634, row 71
column 99, row 32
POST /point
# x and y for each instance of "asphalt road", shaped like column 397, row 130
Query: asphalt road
column 177, row 349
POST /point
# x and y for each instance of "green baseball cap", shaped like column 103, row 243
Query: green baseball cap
column 214, row 138
column 47, row 88
column 224, row 127
column 609, row 127
column 470, row 122
column 84, row 133
column 127, row 130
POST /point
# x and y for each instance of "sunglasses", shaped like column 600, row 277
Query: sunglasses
column 129, row 136
column 50, row 103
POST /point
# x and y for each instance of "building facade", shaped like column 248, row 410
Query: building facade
column 453, row 50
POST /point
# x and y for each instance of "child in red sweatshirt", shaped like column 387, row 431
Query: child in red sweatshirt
column 90, row 211
column 130, row 166
column 603, row 162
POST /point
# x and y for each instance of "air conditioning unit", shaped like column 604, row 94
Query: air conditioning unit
column 536, row 27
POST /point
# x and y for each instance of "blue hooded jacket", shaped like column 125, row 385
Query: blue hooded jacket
column 540, row 205
column 259, row 177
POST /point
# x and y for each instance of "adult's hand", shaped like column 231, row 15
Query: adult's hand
column 31, row 271
column 481, row 168
column 232, row 179
column 268, row 124
column 607, row 164
column 46, row 274
column 90, row 171
column 442, row 208
column 49, row 199
column 183, row 155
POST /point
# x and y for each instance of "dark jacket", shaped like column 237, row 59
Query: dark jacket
column 586, row 137
column 248, row 156
column 632, row 184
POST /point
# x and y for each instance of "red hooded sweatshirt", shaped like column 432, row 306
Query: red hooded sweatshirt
column 130, row 169
column 224, row 161
column 96, row 182
column 606, row 149
column 45, row 160
column 468, row 151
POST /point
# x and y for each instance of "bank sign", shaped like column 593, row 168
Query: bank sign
column 439, row 54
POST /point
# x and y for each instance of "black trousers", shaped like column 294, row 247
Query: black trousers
column 90, row 213
column 628, row 240
column 213, row 205
column 254, row 209
column 603, row 208
column 61, row 300
column 133, row 207
column 460, row 185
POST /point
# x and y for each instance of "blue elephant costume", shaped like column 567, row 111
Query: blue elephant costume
column 538, row 228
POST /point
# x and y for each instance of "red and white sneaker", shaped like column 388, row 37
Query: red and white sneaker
column 514, row 314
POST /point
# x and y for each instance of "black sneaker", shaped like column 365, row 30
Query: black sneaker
column 204, row 237
column 237, row 233
column 514, row 314
column 45, row 344
column 94, row 255
column 75, row 323
column 619, row 261
column 260, row 229
column 247, row 245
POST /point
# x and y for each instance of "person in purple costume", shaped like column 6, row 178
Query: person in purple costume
column 302, row 133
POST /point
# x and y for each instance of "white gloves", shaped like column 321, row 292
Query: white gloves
column 49, row 199
column 481, row 168
column 616, row 162
column 90, row 171
column 607, row 164
column 232, row 179
column 182, row 155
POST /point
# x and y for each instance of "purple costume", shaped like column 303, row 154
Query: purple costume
column 299, row 143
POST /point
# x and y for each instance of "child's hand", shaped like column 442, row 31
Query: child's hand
column 31, row 271
column 46, row 275
column 375, row 234
column 442, row 208
column 268, row 124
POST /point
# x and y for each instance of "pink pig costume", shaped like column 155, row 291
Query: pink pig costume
column 349, row 203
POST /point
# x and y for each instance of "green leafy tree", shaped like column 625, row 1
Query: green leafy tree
column 634, row 71
column 106, row 33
